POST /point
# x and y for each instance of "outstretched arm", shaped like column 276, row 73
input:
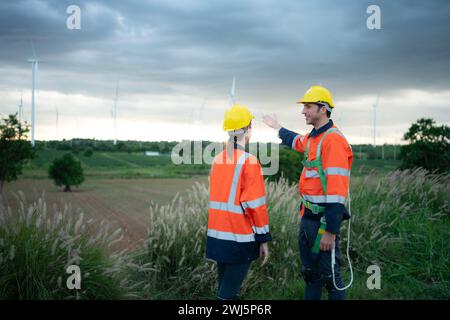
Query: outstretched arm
column 289, row 138
column 272, row 121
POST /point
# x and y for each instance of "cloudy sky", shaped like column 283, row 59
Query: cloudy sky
column 174, row 62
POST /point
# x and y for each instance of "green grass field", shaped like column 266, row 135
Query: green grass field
column 137, row 165
column 116, row 165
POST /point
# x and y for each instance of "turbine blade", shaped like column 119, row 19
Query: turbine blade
column 233, row 87
column 32, row 49
column 378, row 99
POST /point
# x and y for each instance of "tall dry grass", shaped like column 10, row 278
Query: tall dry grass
column 400, row 222
column 37, row 244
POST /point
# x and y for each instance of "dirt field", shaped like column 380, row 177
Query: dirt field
column 122, row 202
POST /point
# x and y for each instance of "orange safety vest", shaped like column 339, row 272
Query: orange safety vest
column 237, row 202
column 336, row 158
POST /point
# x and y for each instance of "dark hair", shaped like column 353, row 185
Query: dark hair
column 232, row 141
column 320, row 105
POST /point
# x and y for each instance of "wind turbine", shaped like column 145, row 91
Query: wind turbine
column 57, row 120
column 34, row 68
column 232, row 95
column 21, row 109
column 375, row 120
column 114, row 112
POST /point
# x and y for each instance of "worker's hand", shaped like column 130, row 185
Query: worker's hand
column 327, row 241
column 264, row 252
column 271, row 121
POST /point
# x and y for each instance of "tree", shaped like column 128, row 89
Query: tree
column 88, row 152
column 66, row 171
column 15, row 150
column 429, row 146
column 290, row 165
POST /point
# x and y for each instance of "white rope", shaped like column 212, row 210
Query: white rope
column 333, row 257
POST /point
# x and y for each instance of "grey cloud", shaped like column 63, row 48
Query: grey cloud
column 275, row 48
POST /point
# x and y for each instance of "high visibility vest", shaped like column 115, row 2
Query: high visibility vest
column 325, row 177
column 237, row 202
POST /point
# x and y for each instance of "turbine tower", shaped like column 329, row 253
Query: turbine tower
column 57, row 120
column 375, row 120
column 115, row 112
column 232, row 94
column 34, row 68
column 21, row 109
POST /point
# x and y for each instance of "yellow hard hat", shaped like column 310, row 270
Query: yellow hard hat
column 317, row 94
column 237, row 117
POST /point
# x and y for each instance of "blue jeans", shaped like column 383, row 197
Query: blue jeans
column 231, row 276
column 316, row 268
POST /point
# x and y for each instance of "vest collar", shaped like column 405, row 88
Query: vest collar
column 322, row 129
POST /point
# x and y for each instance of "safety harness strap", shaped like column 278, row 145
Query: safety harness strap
column 316, row 209
column 320, row 232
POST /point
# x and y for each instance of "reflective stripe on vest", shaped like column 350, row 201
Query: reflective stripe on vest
column 262, row 230
column 295, row 140
column 222, row 235
column 324, row 199
column 328, row 171
column 254, row 203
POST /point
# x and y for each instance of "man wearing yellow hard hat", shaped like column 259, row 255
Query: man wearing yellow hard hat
column 238, row 223
column 323, row 189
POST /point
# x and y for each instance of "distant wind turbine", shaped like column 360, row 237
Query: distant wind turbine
column 34, row 68
column 57, row 120
column 375, row 120
column 232, row 95
column 21, row 109
column 115, row 112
